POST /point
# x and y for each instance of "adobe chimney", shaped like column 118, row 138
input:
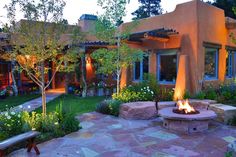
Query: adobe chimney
column 87, row 22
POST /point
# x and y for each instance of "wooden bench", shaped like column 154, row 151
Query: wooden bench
column 28, row 136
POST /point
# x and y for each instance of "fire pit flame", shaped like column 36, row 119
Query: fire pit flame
column 185, row 108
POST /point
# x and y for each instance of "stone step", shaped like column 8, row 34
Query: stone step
column 224, row 112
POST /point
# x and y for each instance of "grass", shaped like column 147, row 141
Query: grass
column 74, row 104
column 13, row 101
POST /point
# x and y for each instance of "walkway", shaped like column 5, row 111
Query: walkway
column 36, row 103
column 107, row 136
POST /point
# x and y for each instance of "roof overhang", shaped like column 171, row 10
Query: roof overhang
column 161, row 35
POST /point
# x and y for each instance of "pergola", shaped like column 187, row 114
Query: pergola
column 161, row 34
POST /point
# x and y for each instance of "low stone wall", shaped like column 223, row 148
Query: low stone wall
column 138, row 110
column 224, row 112
column 147, row 110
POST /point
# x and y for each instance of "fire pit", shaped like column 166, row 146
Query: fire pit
column 185, row 118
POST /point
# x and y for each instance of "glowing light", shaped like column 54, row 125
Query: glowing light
column 184, row 106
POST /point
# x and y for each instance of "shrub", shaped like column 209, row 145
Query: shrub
column 69, row 123
column 227, row 93
column 114, row 106
column 10, row 124
column 187, row 95
column 200, row 95
column 103, row 107
column 137, row 92
column 54, row 124
column 211, row 94
column 110, row 107
column 166, row 94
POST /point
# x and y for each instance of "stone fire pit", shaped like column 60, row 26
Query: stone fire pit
column 186, row 123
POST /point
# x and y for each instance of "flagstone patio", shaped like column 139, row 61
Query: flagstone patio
column 107, row 136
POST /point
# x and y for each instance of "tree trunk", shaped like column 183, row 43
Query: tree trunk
column 43, row 89
column 83, row 62
column 14, row 86
column 44, row 101
column 118, row 84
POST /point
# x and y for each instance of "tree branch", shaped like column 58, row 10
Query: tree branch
column 34, row 78
column 57, row 68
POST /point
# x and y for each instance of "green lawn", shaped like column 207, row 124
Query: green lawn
column 13, row 101
column 74, row 104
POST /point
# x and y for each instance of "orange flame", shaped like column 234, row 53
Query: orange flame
column 184, row 105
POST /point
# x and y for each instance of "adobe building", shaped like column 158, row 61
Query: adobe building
column 188, row 48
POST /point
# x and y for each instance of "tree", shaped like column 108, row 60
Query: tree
column 119, row 55
column 227, row 6
column 147, row 8
column 80, row 66
column 37, row 43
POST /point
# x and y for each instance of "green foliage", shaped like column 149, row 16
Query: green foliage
column 13, row 101
column 69, row 123
column 112, row 60
column 229, row 154
column 166, row 94
column 110, row 107
column 227, row 5
column 114, row 10
column 200, row 95
column 187, row 95
column 147, row 8
column 109, row 60
column 136, row 92
column 211, row 93
column 227, row 93
column 54, row 123
column 10, row 124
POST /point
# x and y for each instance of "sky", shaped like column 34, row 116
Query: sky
column 75, row 8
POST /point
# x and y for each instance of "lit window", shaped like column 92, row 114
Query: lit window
column 140, row 68
column 167, row 67
column 211, row 63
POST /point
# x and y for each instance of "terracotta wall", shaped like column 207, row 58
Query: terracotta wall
column 196, row 22
column 185, row 42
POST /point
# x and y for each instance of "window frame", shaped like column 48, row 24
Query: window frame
column 216, row 77
column 166, row 52
column 140, row 69
column 231, row 59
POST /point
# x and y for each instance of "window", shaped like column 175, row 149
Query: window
column 229, row 65
column 167, row 67
column 140, row 68
column 211, row 63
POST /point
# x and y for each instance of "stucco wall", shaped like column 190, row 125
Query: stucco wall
column 196, row 22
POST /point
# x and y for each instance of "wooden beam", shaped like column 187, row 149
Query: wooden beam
column 146, row 36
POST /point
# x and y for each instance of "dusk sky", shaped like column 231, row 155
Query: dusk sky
column 75, row 8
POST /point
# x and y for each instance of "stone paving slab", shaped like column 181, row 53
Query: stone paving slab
column 107, row 136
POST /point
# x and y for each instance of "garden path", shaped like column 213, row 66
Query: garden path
column 36, row 103
column 108, row 136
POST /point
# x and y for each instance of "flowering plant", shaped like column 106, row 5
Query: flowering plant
column 135, row 93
